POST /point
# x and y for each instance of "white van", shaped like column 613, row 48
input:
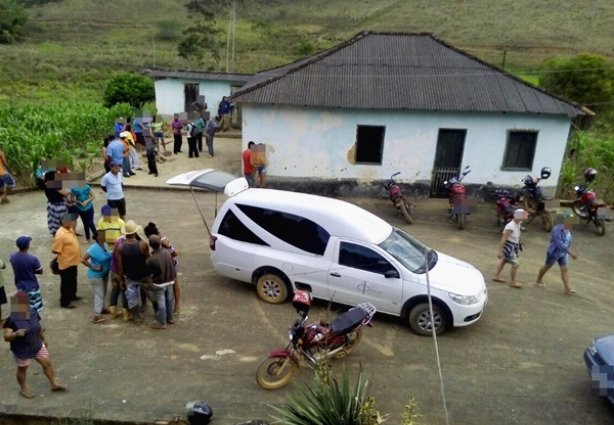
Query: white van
column 282, row 241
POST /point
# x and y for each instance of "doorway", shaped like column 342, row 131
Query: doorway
column 448, row 159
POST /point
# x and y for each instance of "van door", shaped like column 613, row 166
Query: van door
column 362, row 273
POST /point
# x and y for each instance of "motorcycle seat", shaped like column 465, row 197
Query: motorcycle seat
column 348, row 321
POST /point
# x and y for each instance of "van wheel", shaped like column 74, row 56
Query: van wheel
column 272, row 288
column 420, row 320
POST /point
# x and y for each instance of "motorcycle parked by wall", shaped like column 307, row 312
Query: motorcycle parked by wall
column 313, row 343
column 459, row 207
column 398, row 198
column 533, row 199
column 586, row 205
column 508, row 201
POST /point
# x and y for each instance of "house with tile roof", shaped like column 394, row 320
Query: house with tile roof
column 176, row 91
column 386, row 102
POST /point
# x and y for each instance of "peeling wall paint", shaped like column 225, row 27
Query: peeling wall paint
column 321, row 143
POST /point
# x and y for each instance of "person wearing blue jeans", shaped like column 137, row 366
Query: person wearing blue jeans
column 162, row 270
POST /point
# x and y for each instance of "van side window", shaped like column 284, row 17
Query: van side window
column 232, row 227
column 360, row 257
column 293, row 229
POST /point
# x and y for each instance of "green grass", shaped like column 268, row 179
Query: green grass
column 75, row 45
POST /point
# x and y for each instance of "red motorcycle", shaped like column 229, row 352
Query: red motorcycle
column 459, row 207
column 398, row 199
column 508, row 201
column 586, row 205
column 314, row 342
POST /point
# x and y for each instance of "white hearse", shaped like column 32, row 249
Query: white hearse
column 281, row 241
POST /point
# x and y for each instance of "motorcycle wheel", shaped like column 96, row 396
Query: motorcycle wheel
column 406, row 211
column 272, row 288
column 352, row 340
column 600, row 227
column 275, row 372
column 580, row 210
column 530, row 205
column 420, row 320
column 547, row 221
column 460, row 221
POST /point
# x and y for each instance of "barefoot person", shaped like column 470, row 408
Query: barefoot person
column 558, row 252
column 509, row 247
column 23, row 330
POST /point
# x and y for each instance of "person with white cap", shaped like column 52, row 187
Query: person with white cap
column 509, row 246
column 132, row 267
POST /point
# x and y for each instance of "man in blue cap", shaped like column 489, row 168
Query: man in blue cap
column 25, row 268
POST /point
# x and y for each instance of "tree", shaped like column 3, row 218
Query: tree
column 131, row 88
column 585, row 78
column 12, row 21
column 204, row 39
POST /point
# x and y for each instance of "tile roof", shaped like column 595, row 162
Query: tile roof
column 400, row 71
column 193, row 75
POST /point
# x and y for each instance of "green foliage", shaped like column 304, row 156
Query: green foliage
column 31, row 3
column 305, row 48
column 200, row 42
column 131, row 88
column 62, row 132
column 330, row 401
column 589, row 150
column 12, row 21
column 168, row 30
column 586, row 78
column 410, row 415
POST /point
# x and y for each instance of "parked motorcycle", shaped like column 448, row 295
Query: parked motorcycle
column 313, row 343
column 459, row 207
column 533, row 198
column 508, row 201
column 398, row 198
column 586, row 205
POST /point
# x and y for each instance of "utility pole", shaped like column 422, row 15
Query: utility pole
column 234, row 30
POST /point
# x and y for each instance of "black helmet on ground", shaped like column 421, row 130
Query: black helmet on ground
column 546, row 171
column 199, row 413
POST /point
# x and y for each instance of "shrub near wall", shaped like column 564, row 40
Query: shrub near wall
column 71, row 133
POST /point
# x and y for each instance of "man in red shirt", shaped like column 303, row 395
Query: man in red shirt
column 248, row 168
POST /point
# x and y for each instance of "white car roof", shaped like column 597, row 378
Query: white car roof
column 338, row 217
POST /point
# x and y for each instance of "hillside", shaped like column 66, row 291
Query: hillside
column 75, row 45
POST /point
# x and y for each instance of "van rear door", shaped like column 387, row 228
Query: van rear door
column 360, row 272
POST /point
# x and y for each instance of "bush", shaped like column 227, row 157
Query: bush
column 13, row 18
column 586, row 78
column 131, row 88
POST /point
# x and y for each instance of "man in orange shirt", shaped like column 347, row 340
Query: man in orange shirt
column 248, row 168
column 68, row 253
column 7, row 182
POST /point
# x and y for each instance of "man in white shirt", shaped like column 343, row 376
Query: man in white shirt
column 509, row 247
column 112, row 184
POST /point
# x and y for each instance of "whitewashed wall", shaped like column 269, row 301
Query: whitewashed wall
column 310, row 142
column 170, row 97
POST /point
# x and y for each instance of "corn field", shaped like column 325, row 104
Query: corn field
column 72, row 133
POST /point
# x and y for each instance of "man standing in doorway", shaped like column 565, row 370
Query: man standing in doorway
column 224, row 113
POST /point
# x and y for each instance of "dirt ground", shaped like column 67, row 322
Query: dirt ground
column 520, row 364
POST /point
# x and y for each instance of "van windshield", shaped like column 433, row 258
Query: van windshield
column 408, row 251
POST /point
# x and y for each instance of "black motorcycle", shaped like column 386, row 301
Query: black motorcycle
column 533, row 199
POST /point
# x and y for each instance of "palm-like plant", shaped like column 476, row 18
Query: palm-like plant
column 330, row 401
